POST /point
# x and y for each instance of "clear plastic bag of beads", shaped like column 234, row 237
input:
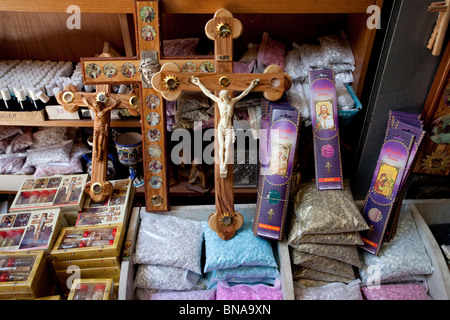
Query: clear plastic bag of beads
column 171, row 241
column 297, row 98
column 312, row 55
column 55, row 153
column 50, row 136
column 332, row 291
column 344, row 98
column 166, row 278
column 150, row 294
column 294, row 66
column 337, row 49
column 404, row 256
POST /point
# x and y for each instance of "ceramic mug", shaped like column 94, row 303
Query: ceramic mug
column 129, row 148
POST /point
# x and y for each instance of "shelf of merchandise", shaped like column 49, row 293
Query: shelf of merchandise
column 10, row 184
column 37, row 29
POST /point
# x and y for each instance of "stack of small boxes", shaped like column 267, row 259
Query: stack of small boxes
column 23, row 275
column 92, row 289
column 30, row 229
column 91, row 249
column 56, row 228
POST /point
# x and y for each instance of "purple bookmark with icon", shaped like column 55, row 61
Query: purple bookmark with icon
column 324, row 117
column 278, row 141
column 386, row 183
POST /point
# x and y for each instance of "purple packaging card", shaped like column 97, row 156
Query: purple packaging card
column 278, row 142
column 325, row 126
column 385, row 185
column 419, row 134
column 406, row 117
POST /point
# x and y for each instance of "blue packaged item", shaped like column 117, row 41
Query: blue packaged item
column 244, row 249
column 244, row 274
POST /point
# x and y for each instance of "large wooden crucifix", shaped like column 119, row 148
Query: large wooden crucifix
column 138, row 71
column 170, row 81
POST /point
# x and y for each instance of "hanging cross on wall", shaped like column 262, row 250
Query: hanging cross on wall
column 138, row 71
column 170, row 81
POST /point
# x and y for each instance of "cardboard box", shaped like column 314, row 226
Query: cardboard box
column 105, row 289
column 112, row 273
column 57, row 112
column 87, row 263
column 278, row 142
column 25, row 271
column 65, row 192
column 75, row 243
column 114, row 209
column 30, row 230
column 14, row 116
column 114, row 114
column 55, row 297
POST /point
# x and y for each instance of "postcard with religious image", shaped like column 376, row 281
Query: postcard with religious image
column 30, row 230
column 64, row 192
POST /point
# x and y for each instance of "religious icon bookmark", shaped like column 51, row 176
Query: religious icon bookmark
column 324, row 117
column 386, row 183
column 278, row 140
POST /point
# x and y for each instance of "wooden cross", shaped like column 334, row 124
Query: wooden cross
column 138, row 71
column 170, row 81
column 101, row 103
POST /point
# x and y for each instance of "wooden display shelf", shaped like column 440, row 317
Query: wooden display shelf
column 85, row 123
column 10, row 183
column 192, row 6
column 179, row 190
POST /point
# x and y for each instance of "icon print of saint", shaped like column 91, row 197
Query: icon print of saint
column 324, row 115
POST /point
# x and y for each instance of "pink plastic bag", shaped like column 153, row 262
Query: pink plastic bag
column 180, row 47
column 396, row 292
column 271, row 51
column 148, row 294
column 249, row 292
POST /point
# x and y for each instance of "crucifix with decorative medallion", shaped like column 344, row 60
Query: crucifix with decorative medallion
column 101, row 103
column 171, row 81
column 138, row 71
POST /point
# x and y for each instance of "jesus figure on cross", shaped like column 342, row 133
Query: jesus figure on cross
column 226, row 131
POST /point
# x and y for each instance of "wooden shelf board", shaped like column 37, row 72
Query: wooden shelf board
column 134, row 123
column 192, row 6
column 180, row 190
column 10, row 184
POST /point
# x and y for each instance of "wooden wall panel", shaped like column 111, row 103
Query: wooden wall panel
column 27, row 35
column 194, row 6
column 285, row 27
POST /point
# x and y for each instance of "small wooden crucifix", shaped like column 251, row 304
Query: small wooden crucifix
column 138, row 71
column 101, row 103
column 170, row 81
